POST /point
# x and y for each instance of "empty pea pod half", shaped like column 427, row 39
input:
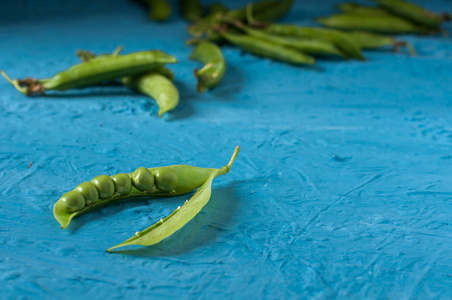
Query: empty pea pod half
column 214, row 67
column 151, row 182
column 94, row 72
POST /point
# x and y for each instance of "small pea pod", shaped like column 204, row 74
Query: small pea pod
column 181, row 216
column 160, row 10
column 369, row 40
column 143, row 182
column 95, row 72
column 273, row 12
column 412, row 12
column 381, row 24
column 310, row 46
column 268, row 49
column 340, row 39
column 157, row 86
column 356, row 9
column 191, row 10
column 214, row 65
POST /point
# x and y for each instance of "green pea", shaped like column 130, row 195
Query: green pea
column 104, row 185
column 143, row 179
column 123, row 184
column 89, row 192
column 165, row 179
column 72, row 201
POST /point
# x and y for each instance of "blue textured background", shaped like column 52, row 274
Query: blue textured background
column 343, row 187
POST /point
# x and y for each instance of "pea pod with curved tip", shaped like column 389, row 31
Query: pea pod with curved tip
column 191, row 10
column 214, row 65
column 268, row 49
column 382, row 24
column 369, row 40
column 412, row 12
column 187, row 179
column 160, row 10
column 271, row 13
column 95, row 72
column 310, row 46
column 157, row 86
column 181, row 216
column 340, row 39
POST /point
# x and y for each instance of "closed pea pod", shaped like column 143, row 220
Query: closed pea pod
column 369, row 40
column 268, row 49
column 306, row 45
column 356, row 9
column 173, row 180
column 412, row 12
column 382, row 24
column 214, row 65
column 340, row 39
column 96, row 72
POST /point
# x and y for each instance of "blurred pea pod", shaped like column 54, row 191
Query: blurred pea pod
column 310, row 46
column 268, row 49
column 214, row 65
column 160, row 10
column 413, row 12
column 191, row 10
column 356, row 9
column 369, row 40
column 340, row 39
column 374, row 23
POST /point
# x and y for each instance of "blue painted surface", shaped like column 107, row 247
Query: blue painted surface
column 343, row 187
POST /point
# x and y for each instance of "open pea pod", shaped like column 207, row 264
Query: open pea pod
column 153, row 182
column 181, row 216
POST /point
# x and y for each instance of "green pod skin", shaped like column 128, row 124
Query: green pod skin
column 380, row 24
column 214, row 65
column 340, row 39
column 123, row 184
column 96, row 71
column 160, row 9
column 356, row 9
column 89, row 191
column 182, row 215
column 190, row 10
column 268, row 49
column 306, row 45
column 369, row 40
column 189, row 178
column 157, row 86
column 104, row 185
column 411, row 12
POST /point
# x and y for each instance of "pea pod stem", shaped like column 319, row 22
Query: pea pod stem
column 181, row 216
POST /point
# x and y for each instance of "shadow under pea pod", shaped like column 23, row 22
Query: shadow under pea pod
column 205, row 228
